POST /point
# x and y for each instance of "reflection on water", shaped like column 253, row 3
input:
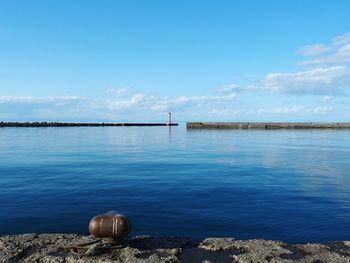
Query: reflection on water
column 289, row 185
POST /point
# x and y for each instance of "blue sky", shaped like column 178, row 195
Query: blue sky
column 202, row 60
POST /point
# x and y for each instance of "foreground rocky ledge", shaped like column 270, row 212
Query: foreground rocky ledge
column 63, row 248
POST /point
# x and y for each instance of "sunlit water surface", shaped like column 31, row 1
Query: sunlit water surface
column 287, row 185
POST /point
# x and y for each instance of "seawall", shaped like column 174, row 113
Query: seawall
column 267, row 125
column 78, row 249
column 79, row 124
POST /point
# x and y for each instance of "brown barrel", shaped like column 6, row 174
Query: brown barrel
column 111, row 225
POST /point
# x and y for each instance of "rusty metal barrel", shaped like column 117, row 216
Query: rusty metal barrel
column 110, row 226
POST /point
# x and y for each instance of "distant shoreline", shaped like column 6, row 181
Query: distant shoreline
column 80, row 124
column 191, row 125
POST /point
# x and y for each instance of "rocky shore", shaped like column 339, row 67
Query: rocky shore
column 69, row 248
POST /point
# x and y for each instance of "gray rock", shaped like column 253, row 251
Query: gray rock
column 68, row 248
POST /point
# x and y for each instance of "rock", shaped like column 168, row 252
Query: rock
column 68, row 248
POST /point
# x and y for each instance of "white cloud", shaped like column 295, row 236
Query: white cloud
column 164, row 103
column 31, row 99
column 117, row 91
column 271, row 111
column 326, row 98
column 313, row 50
column 223, row 112
column 332, row 80
column 342, row 39
column 248, row 75
column 336, row 53
column 295, row 109
column 229, row 88
column 135, row 101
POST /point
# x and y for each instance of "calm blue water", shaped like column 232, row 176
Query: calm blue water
column 288, row 185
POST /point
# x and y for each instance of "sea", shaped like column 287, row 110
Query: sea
column 289, row 185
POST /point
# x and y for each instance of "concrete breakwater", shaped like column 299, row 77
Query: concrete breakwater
column 79, row 124
column 46, row 248
column 267, row 125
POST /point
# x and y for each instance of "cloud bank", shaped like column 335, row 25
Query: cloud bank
column 320, row 89
column 38, row 100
